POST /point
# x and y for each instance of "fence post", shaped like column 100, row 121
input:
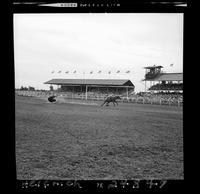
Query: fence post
column 143, row 100
column 169, row 102
column 86, row 92
column 160, row 101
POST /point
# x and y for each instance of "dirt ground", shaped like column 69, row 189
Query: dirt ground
column 88, row 142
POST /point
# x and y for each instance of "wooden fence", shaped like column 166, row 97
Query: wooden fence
column 137, row 100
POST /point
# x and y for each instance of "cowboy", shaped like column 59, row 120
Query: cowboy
column 52, row 99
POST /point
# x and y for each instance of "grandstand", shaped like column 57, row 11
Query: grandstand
column 163, row 86
column 92, row 88
column 163, row 82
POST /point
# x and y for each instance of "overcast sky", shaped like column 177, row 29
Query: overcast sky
column 92, row 42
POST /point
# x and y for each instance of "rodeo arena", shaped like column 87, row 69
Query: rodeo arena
column 101, row 129
column 165, row 89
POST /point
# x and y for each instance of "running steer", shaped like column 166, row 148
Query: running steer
column 111, row 99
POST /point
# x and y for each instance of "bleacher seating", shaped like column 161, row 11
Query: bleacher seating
column 167, row 86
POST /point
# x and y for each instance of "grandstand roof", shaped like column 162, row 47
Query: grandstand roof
column 168, row 77
column 152, row 67
column 106, row 82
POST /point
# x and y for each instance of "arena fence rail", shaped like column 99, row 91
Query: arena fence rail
column 137, row 100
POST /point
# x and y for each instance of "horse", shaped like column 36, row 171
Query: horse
column 111, row 99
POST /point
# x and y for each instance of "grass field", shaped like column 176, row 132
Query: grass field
column 89, row 142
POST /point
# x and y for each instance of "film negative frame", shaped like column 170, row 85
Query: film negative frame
column 91, row 7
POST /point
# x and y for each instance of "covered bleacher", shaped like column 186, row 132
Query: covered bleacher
column 163, row 82
column 163, row 86
column 92, row 88
column 168, row 82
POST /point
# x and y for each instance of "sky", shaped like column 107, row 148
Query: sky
column 87, row 42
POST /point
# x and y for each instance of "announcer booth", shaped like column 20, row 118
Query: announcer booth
column 96, row 88
column 162, row 82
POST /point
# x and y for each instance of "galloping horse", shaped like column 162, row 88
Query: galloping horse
column 111, row 99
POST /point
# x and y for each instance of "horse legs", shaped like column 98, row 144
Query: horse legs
column 103, row 103
column 115, row 102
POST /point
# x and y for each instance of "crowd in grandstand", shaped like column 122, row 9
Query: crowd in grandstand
column 161, row 95
column 167, row 86
column 94, row 92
